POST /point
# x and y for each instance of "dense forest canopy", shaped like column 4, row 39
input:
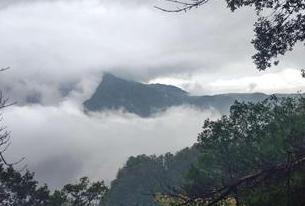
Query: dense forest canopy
column 254, row 156
column 144, row 175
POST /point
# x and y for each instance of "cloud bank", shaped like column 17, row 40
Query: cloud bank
column 62, row 144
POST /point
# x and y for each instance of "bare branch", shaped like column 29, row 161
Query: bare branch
column 185, row 5
column 10, row 164
column 4, row 134
column 4, row 69
column 214, row 196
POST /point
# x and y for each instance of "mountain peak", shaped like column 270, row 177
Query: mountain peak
column 146, row 99
column 108, row 77
column 135, row 97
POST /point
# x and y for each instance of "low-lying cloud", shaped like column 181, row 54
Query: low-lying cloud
column 62, row 143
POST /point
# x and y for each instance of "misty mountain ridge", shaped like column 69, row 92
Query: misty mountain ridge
column 144, row 100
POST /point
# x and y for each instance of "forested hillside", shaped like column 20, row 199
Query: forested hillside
column 143, row 176
column 253, row 156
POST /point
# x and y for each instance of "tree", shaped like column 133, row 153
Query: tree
column 21, row 189
column 142, row 176
column 279, row 27
column 4, row 133
column 83, row 193
column 17, row 188
column 254, row 156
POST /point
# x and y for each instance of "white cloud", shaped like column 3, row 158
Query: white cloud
column 62, row 143
column 281, row 81
column 287, row 81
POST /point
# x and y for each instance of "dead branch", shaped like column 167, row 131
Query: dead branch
column 4, row 134
column 4, row 101
column 4, row 69
column 214, row 196
column 184, row 5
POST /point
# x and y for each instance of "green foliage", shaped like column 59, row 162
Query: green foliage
column 276, row 193
column 254, row 137
column 143, row 176
column 58, row 198
column 83, row 193
column 21, row 189
column 279, row 27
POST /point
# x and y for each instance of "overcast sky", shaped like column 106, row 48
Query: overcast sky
column 54, row 45
column 58, row 50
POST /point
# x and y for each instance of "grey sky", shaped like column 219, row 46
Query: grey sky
column 56, row 44
column 58, row 50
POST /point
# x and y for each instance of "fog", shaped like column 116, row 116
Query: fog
column 62, row 143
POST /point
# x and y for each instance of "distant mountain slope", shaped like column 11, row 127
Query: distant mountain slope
column 146, row 99
column 142, row 176
column 141, row 99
